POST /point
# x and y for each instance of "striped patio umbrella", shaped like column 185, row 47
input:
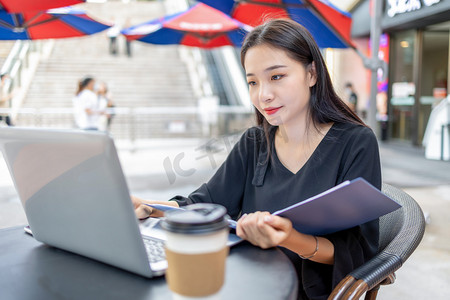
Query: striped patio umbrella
column 17, row 6
column 329, row 26
column 199, row 26
column 50, row 24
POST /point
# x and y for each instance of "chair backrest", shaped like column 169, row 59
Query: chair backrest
column 400, row 233
column 390, row 224
column 402, row 230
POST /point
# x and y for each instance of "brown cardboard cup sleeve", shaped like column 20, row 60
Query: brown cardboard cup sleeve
column 196, row 275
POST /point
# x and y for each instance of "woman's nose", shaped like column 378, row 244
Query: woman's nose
column 265, row 93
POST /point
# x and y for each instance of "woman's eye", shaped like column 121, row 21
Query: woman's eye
column 277, row 77
column 251, row 83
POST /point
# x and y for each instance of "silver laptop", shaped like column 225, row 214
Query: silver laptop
column 76, row 198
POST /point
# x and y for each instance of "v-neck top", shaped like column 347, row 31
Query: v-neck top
column 250, row 181
column 280, row 164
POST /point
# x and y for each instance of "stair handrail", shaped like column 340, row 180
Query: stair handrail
column 20, row 65
column 9, row 66
column 14, row 63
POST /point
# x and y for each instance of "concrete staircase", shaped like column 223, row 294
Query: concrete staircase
column 153, row 77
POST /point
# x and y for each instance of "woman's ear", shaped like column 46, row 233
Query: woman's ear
column 312, row 74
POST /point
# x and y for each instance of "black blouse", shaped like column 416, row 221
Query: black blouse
column 248, row 181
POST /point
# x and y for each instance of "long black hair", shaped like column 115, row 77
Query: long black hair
column 83, row 83
column 325, row 105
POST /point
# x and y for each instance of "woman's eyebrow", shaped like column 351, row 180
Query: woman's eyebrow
column 271, row 68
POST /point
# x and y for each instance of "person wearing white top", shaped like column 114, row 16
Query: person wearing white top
column 87, row 111
column 113, row 33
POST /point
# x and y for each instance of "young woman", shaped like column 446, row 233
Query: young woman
column 86, row 105
column 307, row 141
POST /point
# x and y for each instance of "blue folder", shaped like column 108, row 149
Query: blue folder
column 346, row 205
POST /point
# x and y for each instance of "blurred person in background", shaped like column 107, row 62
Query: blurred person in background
column 127, row 41
column 87, row 110
column 105, row 104
column 351, row 97
column 113, row 33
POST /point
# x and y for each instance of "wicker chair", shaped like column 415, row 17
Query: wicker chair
column 400, row 233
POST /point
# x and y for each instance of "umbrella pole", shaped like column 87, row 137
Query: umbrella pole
column 30, row 23
column 6, row 25
column 375, row 32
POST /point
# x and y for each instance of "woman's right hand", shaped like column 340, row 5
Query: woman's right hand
column 144, row 211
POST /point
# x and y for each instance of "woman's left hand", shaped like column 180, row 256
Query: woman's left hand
column 263, row 229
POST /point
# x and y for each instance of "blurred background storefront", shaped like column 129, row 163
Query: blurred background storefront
column 415, row 44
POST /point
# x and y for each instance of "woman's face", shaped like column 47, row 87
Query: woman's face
column 91, row 85
column 279, row 86
column 101, row 88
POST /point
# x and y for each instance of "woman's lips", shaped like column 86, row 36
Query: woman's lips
column 271, row 110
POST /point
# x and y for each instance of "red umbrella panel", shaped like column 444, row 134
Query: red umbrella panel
column 54, row 23
column 199, row 26
column 329, row 26
column 18, row 6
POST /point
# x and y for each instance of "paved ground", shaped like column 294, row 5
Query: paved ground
column 427, row 272
column 152, row 172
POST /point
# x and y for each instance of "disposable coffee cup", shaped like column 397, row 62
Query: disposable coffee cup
column 196, row 251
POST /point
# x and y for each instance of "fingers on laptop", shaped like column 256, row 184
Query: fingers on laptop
column 136, row 201
column 144, row 211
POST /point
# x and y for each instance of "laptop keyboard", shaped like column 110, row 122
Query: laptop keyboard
column 155, row 250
